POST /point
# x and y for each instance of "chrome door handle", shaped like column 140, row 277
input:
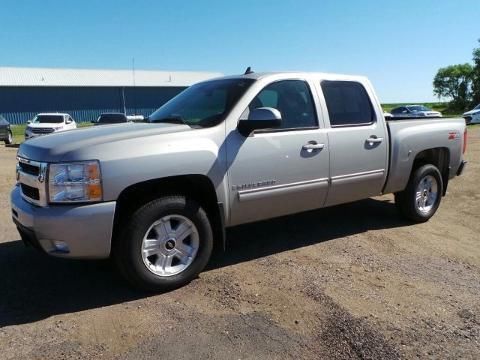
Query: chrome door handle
column 313, row 146
column 374, row 140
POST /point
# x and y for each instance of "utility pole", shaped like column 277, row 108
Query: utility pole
column 134, row 86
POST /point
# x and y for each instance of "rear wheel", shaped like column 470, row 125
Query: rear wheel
column 9, row 139
column 422, row 197
column 166, row 244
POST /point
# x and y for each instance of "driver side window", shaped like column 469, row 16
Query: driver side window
column 294, row 101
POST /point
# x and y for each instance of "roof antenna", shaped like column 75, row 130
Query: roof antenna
column 248, row 71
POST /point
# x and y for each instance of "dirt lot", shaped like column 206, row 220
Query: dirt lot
column 352, row 281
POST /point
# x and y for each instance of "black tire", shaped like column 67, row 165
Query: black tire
column 406, row 200
column 127, row 252
column 9, row 139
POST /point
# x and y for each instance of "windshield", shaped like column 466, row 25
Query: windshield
column 203, row 105
column 112, row 118
column 477, row 107
column 417, row 108
column 48, row 119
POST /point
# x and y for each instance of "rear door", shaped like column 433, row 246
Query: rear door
column 358, row 142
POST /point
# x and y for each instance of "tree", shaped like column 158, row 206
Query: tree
column 455, row 82
column 476, row 76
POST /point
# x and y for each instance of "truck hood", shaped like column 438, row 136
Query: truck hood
column 54, row 147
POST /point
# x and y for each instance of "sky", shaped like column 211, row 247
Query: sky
column 398, row 44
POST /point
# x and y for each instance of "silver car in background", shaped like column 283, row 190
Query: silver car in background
column 414, row 111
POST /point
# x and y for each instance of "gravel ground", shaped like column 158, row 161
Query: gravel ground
column 353, row 281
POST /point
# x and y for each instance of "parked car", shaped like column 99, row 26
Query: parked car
column 5, row 131
column 136, row 118
column 472, row 116
column 111, row 118
column 387, row 115
column 414, row 111
column 156, row 196
column 48, row 123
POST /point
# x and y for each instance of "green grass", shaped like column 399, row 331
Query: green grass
column 18, row 131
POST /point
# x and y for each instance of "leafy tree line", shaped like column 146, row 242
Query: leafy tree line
column 460, row 83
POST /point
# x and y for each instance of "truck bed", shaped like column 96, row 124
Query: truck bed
column 408, row 138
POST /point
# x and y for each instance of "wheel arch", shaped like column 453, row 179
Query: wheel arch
column 439, row 157
column 197, row 187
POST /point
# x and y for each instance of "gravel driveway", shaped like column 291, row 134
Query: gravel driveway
column 353, row 281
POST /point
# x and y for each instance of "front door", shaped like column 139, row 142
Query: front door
column 279, row 171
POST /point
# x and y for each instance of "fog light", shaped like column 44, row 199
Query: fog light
column 60, row 247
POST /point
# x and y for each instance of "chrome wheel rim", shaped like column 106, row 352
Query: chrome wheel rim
column 170, row 245
column 426, row 194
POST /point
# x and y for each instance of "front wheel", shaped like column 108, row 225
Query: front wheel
column 166, row 244
column 423, row 194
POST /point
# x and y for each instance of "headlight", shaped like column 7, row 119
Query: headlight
column 74, row 182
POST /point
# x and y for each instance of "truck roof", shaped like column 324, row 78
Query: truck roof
column 281, row 74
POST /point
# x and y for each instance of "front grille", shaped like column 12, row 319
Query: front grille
column 30, row 192
column 42, row 130
column 31, row 176
column 29, row 169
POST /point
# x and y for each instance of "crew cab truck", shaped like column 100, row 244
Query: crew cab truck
column 157, row 196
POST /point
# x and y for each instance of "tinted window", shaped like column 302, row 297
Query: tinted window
column 348, row 103
column 112, row 119
column 48, row 119
column 397, row 110
column 204, row 104
column 294, row 101
column 417, row 108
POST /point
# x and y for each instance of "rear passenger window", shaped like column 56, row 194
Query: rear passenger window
column 348, row 103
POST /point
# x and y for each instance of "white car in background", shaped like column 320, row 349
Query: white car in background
column 472, row 116
column 48, row 123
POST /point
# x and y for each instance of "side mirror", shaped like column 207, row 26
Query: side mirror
column 260, row 118
column 29, row 121
column 68, row 122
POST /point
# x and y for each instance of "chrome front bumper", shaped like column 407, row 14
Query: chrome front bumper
column 73, row 231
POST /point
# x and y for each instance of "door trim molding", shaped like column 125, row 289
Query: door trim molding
column 284, row 189
column 360, row 175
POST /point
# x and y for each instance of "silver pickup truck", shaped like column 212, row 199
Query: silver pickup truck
column 158, row 196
